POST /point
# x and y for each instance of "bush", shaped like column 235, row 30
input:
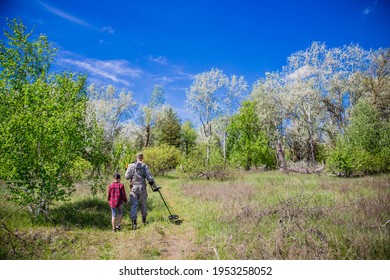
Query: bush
column 385, row 158
column 340, row 160
column 194, row 162
column 345, row 160
column 161, row 159
column 364, row 149
column 80, row 169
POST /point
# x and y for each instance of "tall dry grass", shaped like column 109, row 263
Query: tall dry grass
column 266, row 215
column 275, row 216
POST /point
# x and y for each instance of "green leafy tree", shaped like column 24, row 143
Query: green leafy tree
column 188, row 137
column 42, row 122
column 41, row 139
column 365, row 147
column 22, row 60
column 247, row 144
column 167, row 128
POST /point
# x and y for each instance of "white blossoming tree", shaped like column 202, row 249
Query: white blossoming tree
column 214, row 95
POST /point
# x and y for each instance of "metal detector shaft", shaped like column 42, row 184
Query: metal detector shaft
column 164, row 202
column 155, row 188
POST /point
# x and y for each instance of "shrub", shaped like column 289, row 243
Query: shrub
column 364, row 148
column 80, row 169
column 161, row 159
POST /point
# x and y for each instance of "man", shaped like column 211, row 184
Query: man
column 138, row 172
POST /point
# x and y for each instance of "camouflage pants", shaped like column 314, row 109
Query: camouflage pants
column 138, row 196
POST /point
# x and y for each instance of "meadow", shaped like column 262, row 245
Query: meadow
column 251, row 215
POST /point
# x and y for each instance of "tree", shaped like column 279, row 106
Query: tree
column 150, row 110
column 41, row 139
column 318, row 83
column 376, row 85
column 23, row 61
column 109, row 109
column 313, row 93
column 304, row 107
column 248, row 145
column 213, row 95
column 268, row 95
column 236, row 89
column 167, row 127
column 188, row 137
column 42, row 121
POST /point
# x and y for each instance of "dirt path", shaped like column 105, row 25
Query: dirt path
column 162, row 239
column 159, row 241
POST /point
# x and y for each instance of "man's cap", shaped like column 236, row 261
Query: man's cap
column 117, row 176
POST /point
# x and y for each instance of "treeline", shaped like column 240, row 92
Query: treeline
column 328, row 106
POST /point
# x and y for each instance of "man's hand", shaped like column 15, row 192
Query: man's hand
column 154, row 187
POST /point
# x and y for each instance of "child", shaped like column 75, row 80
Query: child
column 116, row 195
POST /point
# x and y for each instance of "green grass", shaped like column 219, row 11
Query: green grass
column 266, row 215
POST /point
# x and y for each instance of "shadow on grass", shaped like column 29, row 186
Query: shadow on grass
column 91, row 212
column 177, row 222
column 88, row 213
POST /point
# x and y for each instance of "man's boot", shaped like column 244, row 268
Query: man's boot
column 134, row 224
column 144, row 221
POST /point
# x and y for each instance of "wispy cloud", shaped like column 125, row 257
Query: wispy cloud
column 169, row 72
column 177, row 71
column 171, row 76
column 369, row 9
column 64, row 15
column 107, row 29
column 159, row 60
column 162, row 79
column 118, row 71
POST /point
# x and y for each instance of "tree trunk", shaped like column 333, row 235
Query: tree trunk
column 224, row 147
column 208, row 150
column 312, row 152
column 207, row 133
column 280, row 155
column 147, row 138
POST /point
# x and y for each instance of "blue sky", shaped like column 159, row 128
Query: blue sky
column 137, row 44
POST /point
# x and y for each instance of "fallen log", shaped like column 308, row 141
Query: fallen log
column 293, row 169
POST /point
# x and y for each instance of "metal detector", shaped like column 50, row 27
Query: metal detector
column 156, row 188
